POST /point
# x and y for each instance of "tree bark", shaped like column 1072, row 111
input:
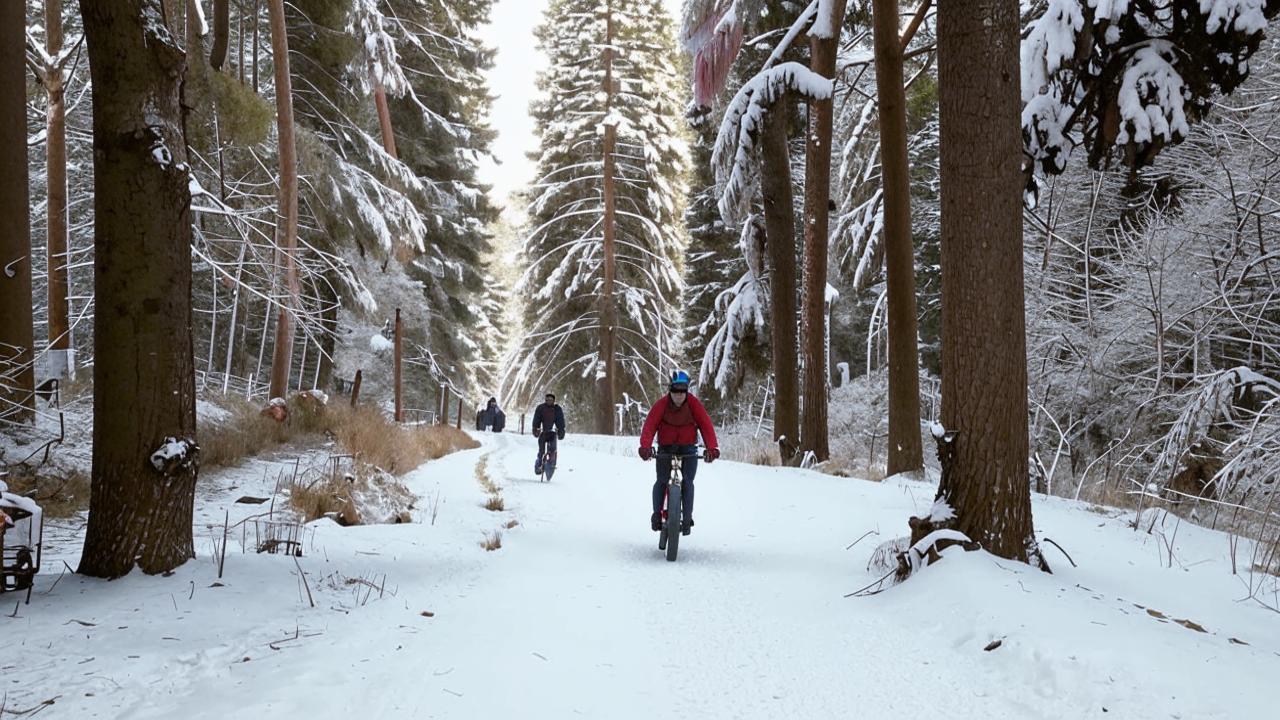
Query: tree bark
column 287, row 213
column 143, row 372
column 257, row 21
column 56, row 211
column 984, row 372
column 17, row 337
column 396, row 369
column 221, row 33
column 817, row 199
column 904, row 378
column 607, row 383
column 780, row 236
column 384, row 120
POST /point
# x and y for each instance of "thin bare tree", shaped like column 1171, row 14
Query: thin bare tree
column 287, row 212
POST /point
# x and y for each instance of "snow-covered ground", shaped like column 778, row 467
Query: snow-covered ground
column 579, row 615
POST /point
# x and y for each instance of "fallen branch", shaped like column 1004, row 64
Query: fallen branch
column 1064, row 552
column 303, row 575
column 863, row 592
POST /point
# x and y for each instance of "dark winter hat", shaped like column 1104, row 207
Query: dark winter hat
column 551, row 396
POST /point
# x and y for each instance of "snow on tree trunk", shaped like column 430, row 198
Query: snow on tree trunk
column 287, row 212
column 17, row 376
column 143, row 373
column 823, row 47
column 904, row 379
column 780, row 233
column 984, row 371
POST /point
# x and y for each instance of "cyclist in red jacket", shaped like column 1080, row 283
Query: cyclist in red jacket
column 676, row 419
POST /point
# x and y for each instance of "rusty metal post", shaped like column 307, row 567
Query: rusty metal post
column 399, row 410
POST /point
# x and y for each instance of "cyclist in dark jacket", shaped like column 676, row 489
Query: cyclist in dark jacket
column 548, row 426
column 677, row 419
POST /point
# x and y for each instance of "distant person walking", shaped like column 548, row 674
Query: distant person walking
column 491, row 417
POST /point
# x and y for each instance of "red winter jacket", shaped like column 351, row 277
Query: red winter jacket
column 678, row 426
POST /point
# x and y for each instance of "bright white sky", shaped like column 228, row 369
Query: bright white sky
column 513, row 81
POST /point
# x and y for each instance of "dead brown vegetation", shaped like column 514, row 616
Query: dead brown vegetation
column 364, row 432
column 60, row 492
column 368, row 497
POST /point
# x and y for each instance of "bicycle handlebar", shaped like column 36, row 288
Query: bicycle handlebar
column 669, row 455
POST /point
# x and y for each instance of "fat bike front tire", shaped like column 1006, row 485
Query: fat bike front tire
column 672, row 528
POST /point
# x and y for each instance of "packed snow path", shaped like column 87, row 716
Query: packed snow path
column 579, row 615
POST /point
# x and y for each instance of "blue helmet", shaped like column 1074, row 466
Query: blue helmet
column 679, row 380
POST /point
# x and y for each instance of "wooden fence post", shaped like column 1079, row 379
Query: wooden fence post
column 522, row 423
column 355, row 388
column 442, row 418
column 459, row 412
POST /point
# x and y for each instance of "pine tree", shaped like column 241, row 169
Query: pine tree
column 984, row 364
column 564, row 250
column 441, row 133
column 144, row 454
column 824, row 42
column 713, row 263
column 16, row 336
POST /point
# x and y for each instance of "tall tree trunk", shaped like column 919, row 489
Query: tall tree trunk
column 221, row 33
column 984, row 371
column 287, row 214
column 817, row 199
column 396, row 369
column 61, row 360
column 904, row 378
column 384, row 120
column 143, row 372
column 17, row 376
column 257, row 21
column 607, row 383
column 780, row 236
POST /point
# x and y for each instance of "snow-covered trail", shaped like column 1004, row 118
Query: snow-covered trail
column 578, row 614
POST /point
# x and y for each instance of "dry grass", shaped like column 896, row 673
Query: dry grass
column 331, row 498
column 370, row 497
column 755, row 450
column 492, row 540
column 511, row 523
column 373, row 438
column 365, row 432
column 244, row 434
column 60, row 492
column 482, row 477
column 495, row 502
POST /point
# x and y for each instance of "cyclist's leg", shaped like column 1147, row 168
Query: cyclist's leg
column 660, row 485
column 688, row 469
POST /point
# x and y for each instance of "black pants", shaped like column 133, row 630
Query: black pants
column 688, row 467
column 546, row 440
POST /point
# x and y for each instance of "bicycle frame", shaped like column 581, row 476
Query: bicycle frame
column 669, row 537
